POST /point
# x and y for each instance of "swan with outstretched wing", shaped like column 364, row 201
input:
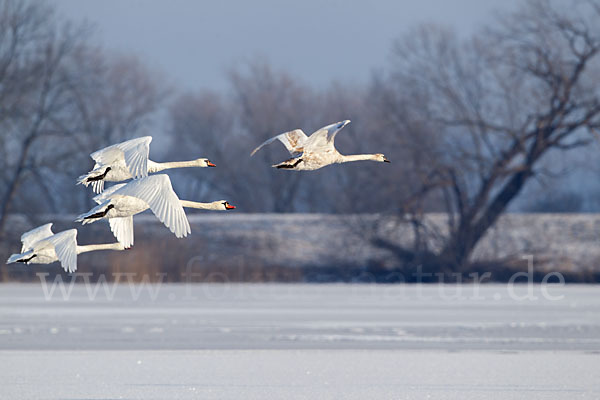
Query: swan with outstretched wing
column 121, row 202
column 317, row 150
column 127, row 160
column 41, row 246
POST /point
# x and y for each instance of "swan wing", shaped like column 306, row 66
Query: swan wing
column 65, row 246
column 102, row 197
column 122, row 228
column 156, row 190
column 136, row 158
column 292, row 140
column 323, row 139
column 35, row 235
column 107, row 156
column 133, row 152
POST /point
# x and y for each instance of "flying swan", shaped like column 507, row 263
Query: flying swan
column 129, row 159
column 317, row 150
column 119, row 203
column 42, row 246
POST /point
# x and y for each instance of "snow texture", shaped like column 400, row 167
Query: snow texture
column 232, row 341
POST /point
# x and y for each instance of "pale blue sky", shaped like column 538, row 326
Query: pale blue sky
column 194, row 42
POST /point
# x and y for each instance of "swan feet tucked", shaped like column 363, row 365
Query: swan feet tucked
column 288, row 164
column 89, row 179
column 26, row 260
column 100, row 214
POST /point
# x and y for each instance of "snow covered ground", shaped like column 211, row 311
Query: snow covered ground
column 299, row 341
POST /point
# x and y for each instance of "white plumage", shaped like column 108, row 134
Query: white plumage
column 41, row 248
column 35, row 235
column 127, row 160
column 317, row 150
column 121, row 202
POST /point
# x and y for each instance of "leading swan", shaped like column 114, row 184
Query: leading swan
column 121, row 202
column 317, row 150
column 127, row 160
column 42, row 246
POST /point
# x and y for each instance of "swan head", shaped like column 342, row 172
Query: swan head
column 204, row 162
column 381, row 158
column 223, row 205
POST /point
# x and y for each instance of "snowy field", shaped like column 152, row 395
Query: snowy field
column 299, row 341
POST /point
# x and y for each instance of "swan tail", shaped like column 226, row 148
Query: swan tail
column 85, row 221
column 83, row 180
column 14, row 258
column 95, row 178
column 22, row 257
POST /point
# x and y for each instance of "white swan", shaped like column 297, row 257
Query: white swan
column 121, row 202
column 41, row 246
column 317, row 150
column 127, row 160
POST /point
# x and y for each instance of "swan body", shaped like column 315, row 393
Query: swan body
column 41, row 246
column 121, row 202
column 127, row 160
column 317, row 150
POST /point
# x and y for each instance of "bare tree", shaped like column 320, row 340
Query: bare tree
column 263, row 104
column 497, row 104
column 37, row 91
column 201, row 126
column 60, row 98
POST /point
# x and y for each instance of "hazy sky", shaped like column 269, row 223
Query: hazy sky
column 195, row 42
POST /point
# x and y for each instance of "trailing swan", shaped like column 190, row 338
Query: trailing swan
column 41, row 246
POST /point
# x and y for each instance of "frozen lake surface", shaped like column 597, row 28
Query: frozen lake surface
column 299, row 341
column 297, row 374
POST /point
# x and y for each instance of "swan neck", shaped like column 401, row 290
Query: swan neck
column 93, row 247
column 357, row 157
column 161, row 166
column 195, row 204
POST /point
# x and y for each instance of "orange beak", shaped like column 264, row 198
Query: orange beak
column 230, row 207
column 210, row 164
